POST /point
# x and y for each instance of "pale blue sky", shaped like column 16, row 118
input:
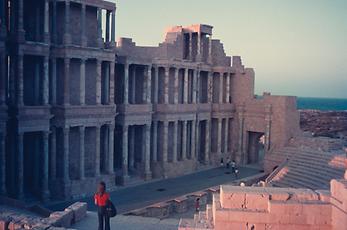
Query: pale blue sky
column 297, row 47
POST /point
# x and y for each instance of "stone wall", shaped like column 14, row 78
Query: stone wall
column 62, row 220
column 275, row 208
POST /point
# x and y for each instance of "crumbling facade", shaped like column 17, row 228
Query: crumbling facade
column 77, row 107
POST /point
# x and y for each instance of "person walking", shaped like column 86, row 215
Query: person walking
column 101, row 199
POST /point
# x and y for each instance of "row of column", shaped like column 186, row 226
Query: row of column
column 199, row 53
column 45, row 165
column 129, row 162
column 146, row 92
column 110, row 30
column 108, row 159
column 20, row 79
column 195, row 83
column 147, row 85
column 220, row 135
column 82, row 87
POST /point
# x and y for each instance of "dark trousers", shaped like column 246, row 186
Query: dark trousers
column 104, row 220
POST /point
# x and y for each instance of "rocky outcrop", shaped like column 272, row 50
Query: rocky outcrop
column 324, row 123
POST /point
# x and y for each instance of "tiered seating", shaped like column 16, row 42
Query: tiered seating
column 203, row 220
column 308, row 168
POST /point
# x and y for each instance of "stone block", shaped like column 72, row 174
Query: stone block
column 79, row 210
column 180, row 205
column 4, row 222
column 62, row 219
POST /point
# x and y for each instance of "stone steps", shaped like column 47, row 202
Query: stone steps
column 309, row 168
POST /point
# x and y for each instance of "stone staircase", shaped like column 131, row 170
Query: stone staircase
column 309, row 168
column 203, row 220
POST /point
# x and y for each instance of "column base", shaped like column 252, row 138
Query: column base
column 148, row 176
column 45, row 196
column 67, row 39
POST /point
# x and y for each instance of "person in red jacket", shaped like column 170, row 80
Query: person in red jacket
column 101, row 199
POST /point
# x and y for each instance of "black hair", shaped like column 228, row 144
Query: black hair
column 103, row 184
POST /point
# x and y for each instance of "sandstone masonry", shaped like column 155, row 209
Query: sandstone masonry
column 76, row 107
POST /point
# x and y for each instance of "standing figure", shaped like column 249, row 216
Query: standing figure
column 101, row 199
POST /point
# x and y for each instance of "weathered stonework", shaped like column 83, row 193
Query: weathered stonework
column 79, row 107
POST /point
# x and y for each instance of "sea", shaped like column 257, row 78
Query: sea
column 324, row 104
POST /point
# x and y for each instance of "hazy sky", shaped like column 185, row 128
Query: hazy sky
column 297, row 47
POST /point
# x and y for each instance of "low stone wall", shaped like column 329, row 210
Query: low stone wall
column 56, row 220
column 185, row 203
column 318, row 143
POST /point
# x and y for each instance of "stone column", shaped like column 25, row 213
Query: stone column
column 53, row 158
column 190, row 54
column 132, row 89
column 268, row 112
column 165, row 140
column 156, row 87
column 3, row 78
column 174, row 147
column 198, row 55
column 221, row 76
column 125, row 151
column 113, row 28
column 66, row 81
column 197, row 136
column 193, row 139
column 45, row 168
column 111, row 149
column 66, row 158
column 184, row 140
column 20, row 81
column 54, row 81
column 97, row 151
column 166, row 85
column 98, row 82
column 99, row 39
column 227, row 88
column 132, row 148
column 54, row 22
column 84, row 41
column 20, row 165
column 149, row 84
column 194, row 82
column 197, row 86
column 209, row 87
column 210, row 49
column 46, row 22
column 20, row 18
column 226, row 135
column 67, row 35
column 45, row 80
column 148, row 73
column 147, row 146
column 155, row 141
column 107, row 32
column 83, row 82
column 112, row 80
column 82, row 152
column 219, row 136
column 240, row 140
column 3, row 164
column 207, row 141
column 176, row 85
column 185, row 86
column 126, row 84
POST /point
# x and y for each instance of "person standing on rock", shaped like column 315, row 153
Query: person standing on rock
column 101, row 199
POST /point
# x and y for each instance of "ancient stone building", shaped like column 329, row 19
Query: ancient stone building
column 76, row 107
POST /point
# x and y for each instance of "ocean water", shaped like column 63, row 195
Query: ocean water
column 322, row 103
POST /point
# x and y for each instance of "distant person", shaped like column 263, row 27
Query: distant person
column 221, row 162
column 101, row 199
column 233, row 166
column 197, row 204
column 228, row 163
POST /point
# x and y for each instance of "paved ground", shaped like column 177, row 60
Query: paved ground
column 131, row 198
column 128, row 223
